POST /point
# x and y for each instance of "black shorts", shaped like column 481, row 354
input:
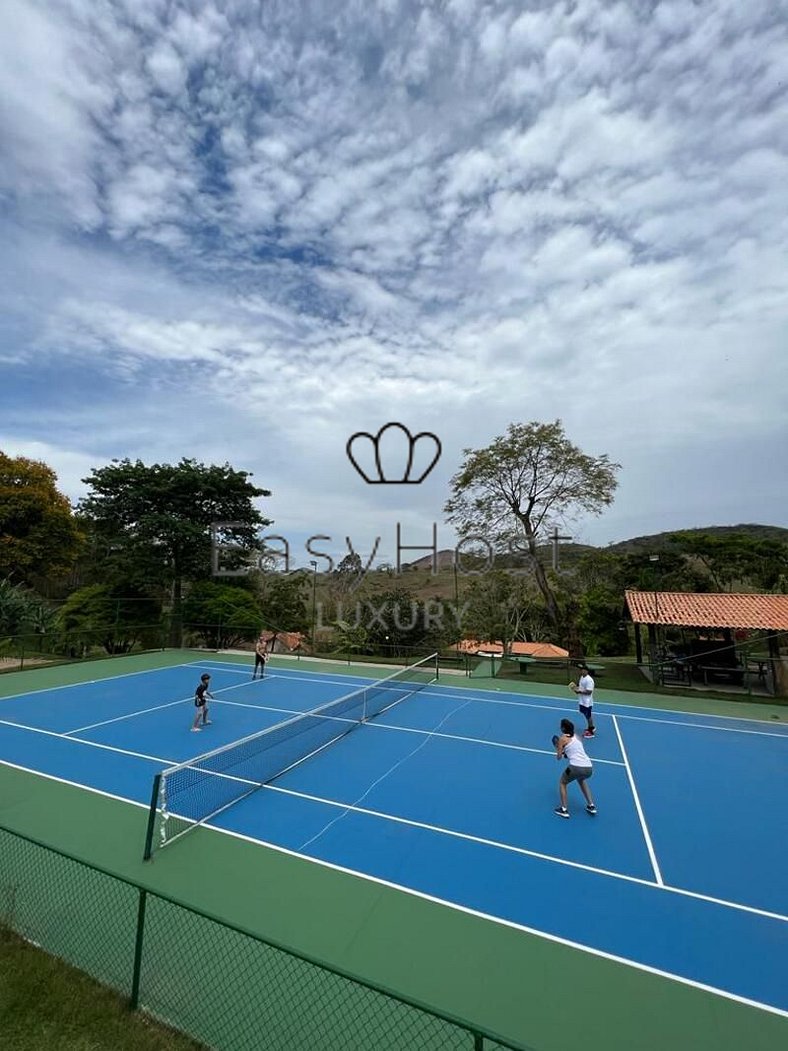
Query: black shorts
column 587, row 710
column 576, row 773
column 199, row 703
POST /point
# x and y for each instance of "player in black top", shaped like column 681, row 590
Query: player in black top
column 201, row 704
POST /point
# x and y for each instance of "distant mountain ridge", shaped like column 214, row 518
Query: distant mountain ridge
column 634, row 545
column 661, row 540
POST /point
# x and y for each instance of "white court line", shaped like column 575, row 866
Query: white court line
column 659, row 882
column 702, row 726
column 412, row 823
column 637, row 718
column 488, row 696
column 74, row 784
column 155, row 708
column 382, row 777
column 639, row 808
column 529, row 853
column 455, row 906
column 409, row 729
column 558, row 705
column 312, row 678
column 92, row 682
column 466, row 836
column 79, row 740
column 500, row 921
column 373, row 813
column 478, row 740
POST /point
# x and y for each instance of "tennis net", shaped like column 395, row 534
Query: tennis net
column 187, row 795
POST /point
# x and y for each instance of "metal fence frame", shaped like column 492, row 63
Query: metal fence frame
column 50, row 922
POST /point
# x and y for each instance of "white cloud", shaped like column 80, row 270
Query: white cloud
column 458, row 217
column 69, row 465
column 167, row 70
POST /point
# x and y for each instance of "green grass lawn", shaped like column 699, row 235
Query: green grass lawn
column 46, row 1005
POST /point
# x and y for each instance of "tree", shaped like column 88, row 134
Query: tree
column 221, row 615
column 394, row 621
column 350, row 638
column 501, row 607
column 117, row 620
column 283, row 601
column 38, row 533
column 736, row 559
column 22, row 611
column 524, row 483
column 156, row 521
column 348, row 574
column 600, row 623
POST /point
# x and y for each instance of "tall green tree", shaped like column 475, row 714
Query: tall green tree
column 157, row 522
column 39, row 535
column 395, row 621
column 349, row 638
column 735, row 559
column 117, row 620
column 221, row 615
column 284, row 601
column 515, row 490
column 503, row 607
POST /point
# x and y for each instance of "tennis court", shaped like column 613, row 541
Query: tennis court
column 449, row 794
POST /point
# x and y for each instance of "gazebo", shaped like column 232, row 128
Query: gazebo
column 713, row 628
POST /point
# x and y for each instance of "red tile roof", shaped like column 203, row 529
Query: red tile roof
column 290, row 640
column 717, row 610
column 518, row 649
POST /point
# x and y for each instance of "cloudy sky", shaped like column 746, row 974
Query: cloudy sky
column 242, row 231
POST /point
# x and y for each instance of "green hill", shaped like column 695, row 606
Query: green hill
column 660, row 541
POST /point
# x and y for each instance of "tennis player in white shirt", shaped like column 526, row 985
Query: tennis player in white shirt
column 580, row 768
column 585, row 699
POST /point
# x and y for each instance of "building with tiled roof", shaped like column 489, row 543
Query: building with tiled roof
column 725, row 617
column 714, row 610
column 517, row 649
column 282, row 641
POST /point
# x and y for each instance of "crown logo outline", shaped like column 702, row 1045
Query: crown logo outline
column 363, row 439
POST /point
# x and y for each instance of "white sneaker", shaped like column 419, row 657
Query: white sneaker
column 195, row 729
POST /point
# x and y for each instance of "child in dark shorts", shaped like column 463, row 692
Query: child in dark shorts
column 201, row 704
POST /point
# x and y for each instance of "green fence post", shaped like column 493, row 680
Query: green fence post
column 478, row 1042
column 135, row 979
column 154, row 799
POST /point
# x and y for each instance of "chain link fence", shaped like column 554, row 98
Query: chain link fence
column 225, row 987
column 38, row 648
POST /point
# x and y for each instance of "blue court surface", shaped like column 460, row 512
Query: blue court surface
column 450, row 795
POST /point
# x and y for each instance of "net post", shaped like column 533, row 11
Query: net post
column 154, row 800
column 134, row 999
column 437, row 666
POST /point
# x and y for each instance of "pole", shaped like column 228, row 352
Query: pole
column 134, row 999
column 555, row 536
column 154, row 803
column 313, row 564
column 657, row 672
